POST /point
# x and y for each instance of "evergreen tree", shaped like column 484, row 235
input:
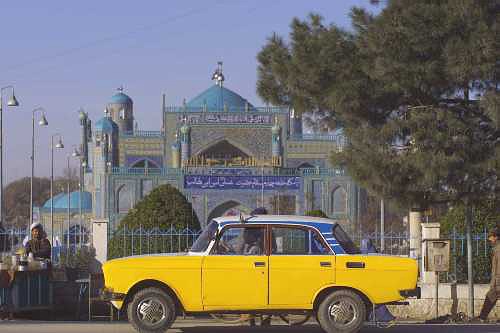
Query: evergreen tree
column 401, row 84
column 163, row 208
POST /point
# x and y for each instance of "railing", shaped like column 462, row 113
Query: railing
column 145, row 171
column 142, row 133
column 399, row 244
column 229, row 171
column 264, row 109
column 14, row 239
column 126, row 242
column 338, row 138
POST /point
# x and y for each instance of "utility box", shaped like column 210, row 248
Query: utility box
column 437, row 255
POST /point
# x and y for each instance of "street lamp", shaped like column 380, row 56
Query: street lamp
column 11, row 102
column 42, row 122
column 59, row 145
column 76, row 154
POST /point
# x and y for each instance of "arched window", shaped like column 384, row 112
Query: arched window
column 145, row 163
column 339, row 200
column 305, row 165
column 123, row 199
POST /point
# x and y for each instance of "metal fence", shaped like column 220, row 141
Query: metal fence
column 399, row 244
column 126, row 242
column 14, row 239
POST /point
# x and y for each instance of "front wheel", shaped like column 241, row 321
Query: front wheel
column 151, row 311
column 343, row 311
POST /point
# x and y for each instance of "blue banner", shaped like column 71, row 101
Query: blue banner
column 242, row 182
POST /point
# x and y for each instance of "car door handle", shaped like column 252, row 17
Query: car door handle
column 259, row 264
column 355, row 264
column 325, row 264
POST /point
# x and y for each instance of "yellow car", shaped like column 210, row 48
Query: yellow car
column 261, row 264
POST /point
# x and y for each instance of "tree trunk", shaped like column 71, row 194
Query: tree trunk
column 470, row 275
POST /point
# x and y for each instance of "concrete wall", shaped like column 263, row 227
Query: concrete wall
column 452, row 300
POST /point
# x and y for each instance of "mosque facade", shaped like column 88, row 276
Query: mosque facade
column 223, row 153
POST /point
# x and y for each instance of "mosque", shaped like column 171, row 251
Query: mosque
column 225, row 154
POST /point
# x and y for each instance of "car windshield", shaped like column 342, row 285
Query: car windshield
column 201, row 244
column 344, row 240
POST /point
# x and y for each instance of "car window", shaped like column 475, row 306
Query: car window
column 241, row 241
column 296, row 241
column 201, row 244
column 344, row 240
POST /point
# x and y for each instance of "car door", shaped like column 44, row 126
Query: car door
column 300, row 264
column 235, row 273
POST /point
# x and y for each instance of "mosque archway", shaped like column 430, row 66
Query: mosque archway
column 305, row 165
column 145, row 163
column 339, row 200
column 123, row 199
column 224, row 152
column 228, row 208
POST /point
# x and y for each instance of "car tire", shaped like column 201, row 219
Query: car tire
column 151, row 310
column 342, row 311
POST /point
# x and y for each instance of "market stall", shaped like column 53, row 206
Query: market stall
column 25, row 286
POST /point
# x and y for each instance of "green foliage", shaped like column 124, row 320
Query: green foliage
column 80, row 259
column 485, row 217
column 399, row 83
column 316, row 213
column 164, row 207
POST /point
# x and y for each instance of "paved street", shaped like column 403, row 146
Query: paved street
column 204, row 326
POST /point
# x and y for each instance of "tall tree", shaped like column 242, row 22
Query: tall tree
column 401, row 85
column 415, row 133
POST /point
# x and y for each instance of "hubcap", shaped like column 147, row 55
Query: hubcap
column 343, row 312
column 150, row 311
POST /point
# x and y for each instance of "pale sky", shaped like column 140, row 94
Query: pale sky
column 63, row 55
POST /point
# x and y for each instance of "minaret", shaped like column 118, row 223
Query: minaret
column 121, row 109
column 176, row 153
column 276, row 147
column 295, row 123
column 185, row 143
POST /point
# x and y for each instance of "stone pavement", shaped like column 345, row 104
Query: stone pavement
column 209, row 326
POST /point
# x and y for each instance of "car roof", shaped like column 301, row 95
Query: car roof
column 324, row 225
column 274, row 219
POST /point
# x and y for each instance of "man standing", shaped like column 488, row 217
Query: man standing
column 39, row 245
column 494, row 292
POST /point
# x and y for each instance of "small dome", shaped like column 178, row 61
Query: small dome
column 121, row 98
column 56, row 198
column 106, row 125
column 61, row 201
column 216, row 98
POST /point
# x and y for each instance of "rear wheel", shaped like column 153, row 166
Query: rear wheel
column 343, row 311
column 152, row 310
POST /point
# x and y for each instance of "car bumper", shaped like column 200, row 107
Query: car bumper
column 107, row 294
column 411, row 293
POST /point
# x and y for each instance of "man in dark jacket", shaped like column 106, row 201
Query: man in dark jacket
column 39, row 245
column 494, row 292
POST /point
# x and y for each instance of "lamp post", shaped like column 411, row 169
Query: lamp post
column 42, row 122
column 76, row 154
column 11, row 102
column 59, row 145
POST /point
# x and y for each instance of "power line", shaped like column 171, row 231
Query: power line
column 113, row 38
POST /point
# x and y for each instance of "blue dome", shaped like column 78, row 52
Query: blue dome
column 61, row 201
column 121, row 98
column 56, row 198
column 217, row 97
column 106, row 125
